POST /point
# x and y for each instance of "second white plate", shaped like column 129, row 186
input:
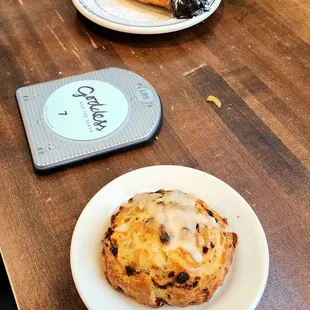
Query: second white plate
column 133, row 17
column 247, row 277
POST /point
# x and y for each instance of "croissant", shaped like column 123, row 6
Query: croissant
column 182, row 8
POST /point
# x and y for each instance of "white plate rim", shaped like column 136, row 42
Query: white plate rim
column 186, row 23
column 259, row 226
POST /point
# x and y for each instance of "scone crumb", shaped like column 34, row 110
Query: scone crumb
column 216, row 101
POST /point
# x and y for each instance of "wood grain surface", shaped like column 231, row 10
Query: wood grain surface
column 252, row 55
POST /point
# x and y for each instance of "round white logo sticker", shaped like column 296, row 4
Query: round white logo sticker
column 86, row 110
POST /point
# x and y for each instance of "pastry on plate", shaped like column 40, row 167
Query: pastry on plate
column 182, row 8
column 167, row 247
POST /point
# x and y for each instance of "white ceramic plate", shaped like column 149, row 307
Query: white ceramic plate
column 134, row 17
column 247, row 277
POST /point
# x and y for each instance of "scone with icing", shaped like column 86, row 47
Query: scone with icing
column 182, row 8
column 167, row 247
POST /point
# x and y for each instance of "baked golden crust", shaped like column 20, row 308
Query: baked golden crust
column 150, row 265
column 162, row 3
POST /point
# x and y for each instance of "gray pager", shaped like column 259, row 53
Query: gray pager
column 83, row 116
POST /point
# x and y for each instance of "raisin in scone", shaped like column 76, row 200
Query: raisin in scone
column 167, row 247
column 182, row 8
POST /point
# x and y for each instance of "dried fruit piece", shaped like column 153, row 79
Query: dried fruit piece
column 235, row 240
column 130, row 271
column 163, row 287
column 182, row 277
column 114, row 250
column 149, row 221
column 109, row 233
column 159, row 301
column 164, row 237
column 210, row 213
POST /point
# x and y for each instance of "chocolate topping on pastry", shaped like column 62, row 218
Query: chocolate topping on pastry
column 188, row 9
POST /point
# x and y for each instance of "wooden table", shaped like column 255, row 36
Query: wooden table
column 252, row 55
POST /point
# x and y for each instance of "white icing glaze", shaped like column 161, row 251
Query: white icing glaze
column 122, row 228
column 176, row 212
